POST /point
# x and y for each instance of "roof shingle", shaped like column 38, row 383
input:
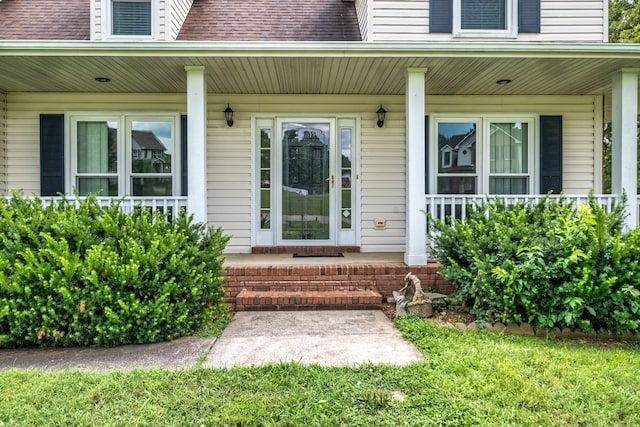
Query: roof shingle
column 271, row 20
column 44, row 20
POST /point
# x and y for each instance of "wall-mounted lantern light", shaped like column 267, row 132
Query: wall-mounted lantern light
column 381, row 113
column 228, row 115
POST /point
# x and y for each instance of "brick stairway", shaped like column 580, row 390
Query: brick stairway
column 326, row 286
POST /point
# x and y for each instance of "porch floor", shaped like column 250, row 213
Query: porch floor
column 235, row 260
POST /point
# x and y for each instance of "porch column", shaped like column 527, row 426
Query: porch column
column 624, row 163
column 415, row 220
column 197, row 142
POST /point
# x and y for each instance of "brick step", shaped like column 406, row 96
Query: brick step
column 381, row 277
column 248, row 300
column 278, row 284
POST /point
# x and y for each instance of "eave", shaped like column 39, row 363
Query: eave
column 314, row 68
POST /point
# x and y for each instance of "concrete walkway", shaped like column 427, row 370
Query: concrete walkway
column 328, row 338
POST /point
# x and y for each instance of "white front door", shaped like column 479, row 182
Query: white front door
column 305, row 192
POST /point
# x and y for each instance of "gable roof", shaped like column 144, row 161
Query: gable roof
column 44, row 20
column 271, row 20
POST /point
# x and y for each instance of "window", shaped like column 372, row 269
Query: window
column 483, row 155
column 131, row 18
column 124, row 155
column 485, row 18
column 509, row 158
column 457, row 172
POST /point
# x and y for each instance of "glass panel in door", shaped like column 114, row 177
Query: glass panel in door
column 306, row 181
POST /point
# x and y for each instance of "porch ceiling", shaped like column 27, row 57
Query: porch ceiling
column 351, row 69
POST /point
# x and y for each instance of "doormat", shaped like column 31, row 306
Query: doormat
column 319, row 255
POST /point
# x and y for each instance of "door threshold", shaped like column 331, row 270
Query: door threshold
column 305, row 250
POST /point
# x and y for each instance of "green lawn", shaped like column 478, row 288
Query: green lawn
column 467, row 378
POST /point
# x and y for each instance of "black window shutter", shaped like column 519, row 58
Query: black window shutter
column 426, row 154
column 183, row 155
column 550, row 154
column 528, row 16
column 51, row 154
column 440, row 16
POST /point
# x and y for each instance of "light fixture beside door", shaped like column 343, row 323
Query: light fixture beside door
column 228, row 115
column 381, row 113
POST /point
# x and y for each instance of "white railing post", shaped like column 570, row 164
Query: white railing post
column 624, row 156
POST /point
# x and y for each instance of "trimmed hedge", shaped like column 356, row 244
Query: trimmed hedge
column 550, row 264
column 80, row 274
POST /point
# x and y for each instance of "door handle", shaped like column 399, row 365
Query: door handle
column 331, row 180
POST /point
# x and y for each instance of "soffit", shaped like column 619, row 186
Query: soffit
column 291, row 72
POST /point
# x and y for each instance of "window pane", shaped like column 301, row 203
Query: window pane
column 265, row 219
column 151, row 147
column 509, row 147
column 107, row 186
column 265, row 178
column 97, row 150
column 131, row 18
column 265, row 199
column 265, row 159
column 507, row 185
column 345, row 224
column 346, row 178
column 345, row 149
column 457, row 185
column 151, row 186
column 265, row 138
column 483, row 14
column 457, row 147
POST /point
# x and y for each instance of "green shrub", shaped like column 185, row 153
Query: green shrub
column 80, row 274
column 550, row 264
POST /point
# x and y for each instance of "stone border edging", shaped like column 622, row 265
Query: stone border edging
column 527, row 330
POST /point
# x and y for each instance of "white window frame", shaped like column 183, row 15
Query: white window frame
column 511, row 20
column 125, row 152
column 483, row 131
column 107, row 22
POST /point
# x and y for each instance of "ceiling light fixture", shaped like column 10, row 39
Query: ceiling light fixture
column 103, row 79
column 503, row 81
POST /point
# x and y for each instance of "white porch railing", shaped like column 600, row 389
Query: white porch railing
column 165, row 204
column 442, row 206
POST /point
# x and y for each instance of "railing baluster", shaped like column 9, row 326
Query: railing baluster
column 444, row 206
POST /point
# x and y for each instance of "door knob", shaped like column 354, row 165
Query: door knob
column 332, row 180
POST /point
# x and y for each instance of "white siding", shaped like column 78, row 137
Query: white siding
column 561, row 21
column 3, row 142
column 400, row 20
column 382, row 150
column 179, row 11
column 363, row 9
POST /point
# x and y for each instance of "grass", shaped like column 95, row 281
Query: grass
column 219, row 318
column 467, row 378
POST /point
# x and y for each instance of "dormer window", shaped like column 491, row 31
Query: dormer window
column 485, row 18
column 133, row 18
